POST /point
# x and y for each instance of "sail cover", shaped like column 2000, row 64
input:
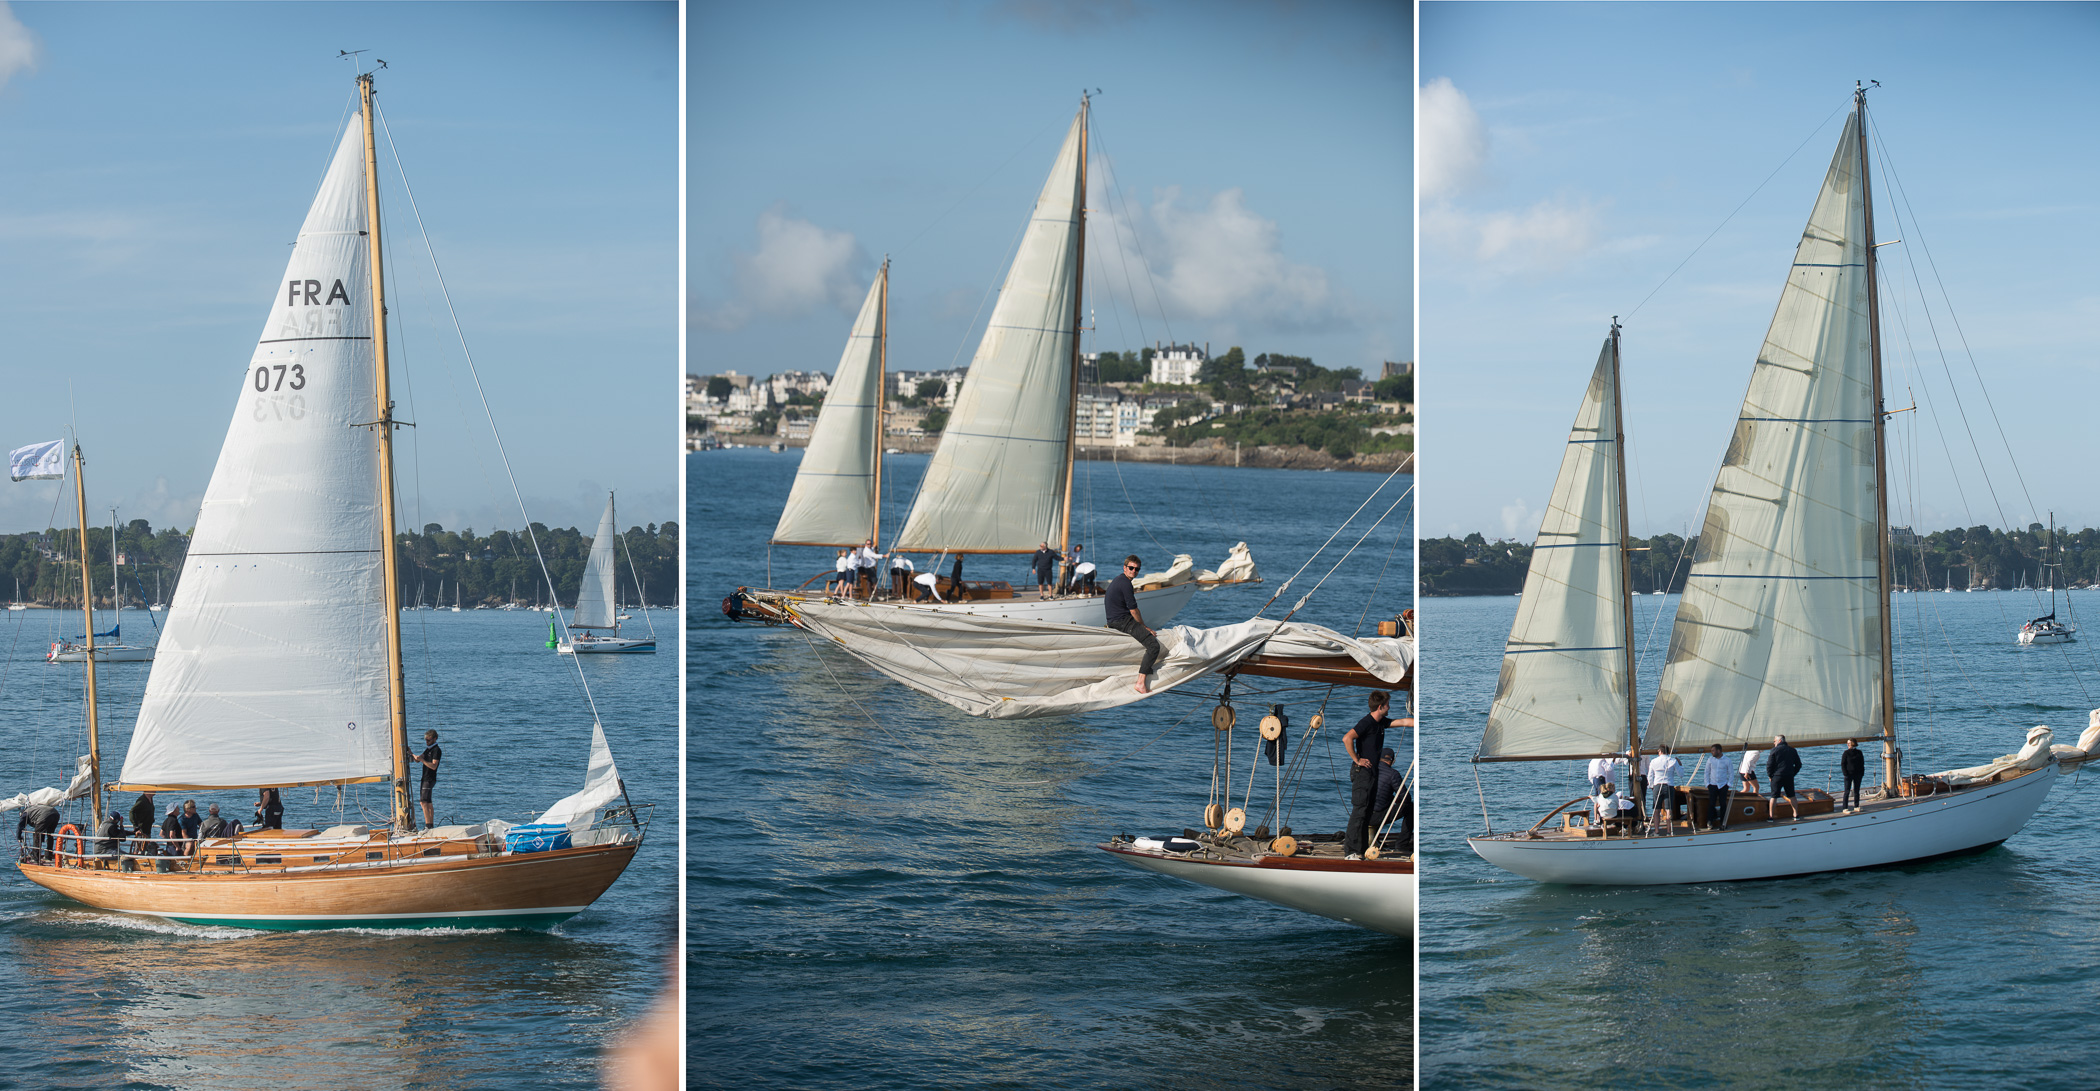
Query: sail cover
column 594, row 600
column 1563, row 688
column 833, row 500
column 996, row 482
column 271, row 669
column 1010, row 668
column 1779, row 631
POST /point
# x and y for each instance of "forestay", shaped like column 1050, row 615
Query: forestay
column 996, row 482
column 1562, row 692
column 833, row 499
column 1008, row 668
column 594, row 599
column 1779, row 631
column 271, row 669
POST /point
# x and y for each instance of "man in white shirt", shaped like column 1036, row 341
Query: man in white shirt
column 1600, row 771
column 1662, row 776
column 1610, row 805
column 1720, row 781
column 900, row 575
column 927, row 582
column 842, row 582
column 1748, row 769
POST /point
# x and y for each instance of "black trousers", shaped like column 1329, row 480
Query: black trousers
column 1851, row 796
column 1142, row 635
column 1717, row 806
column 1363, row 789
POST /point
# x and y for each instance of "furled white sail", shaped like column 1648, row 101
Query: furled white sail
column 1563, row 688
column 1011, row 668
column 996, row 482
column 601, row 785
column 594, row 600
column 1779, row 631
column 271, row 668
column 833, row 499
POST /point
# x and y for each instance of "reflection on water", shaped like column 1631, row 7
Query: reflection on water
column 1912, row 976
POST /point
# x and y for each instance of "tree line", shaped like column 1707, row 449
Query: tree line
column 1961, row 557
column 484, row 569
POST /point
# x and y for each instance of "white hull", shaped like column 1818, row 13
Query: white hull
column 107, row 653
column 1369, row 894
column 1157, row 607
column 2048, row 636
column 1883, row 833
column 615, row 645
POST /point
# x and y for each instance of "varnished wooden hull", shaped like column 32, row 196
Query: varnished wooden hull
column 526, row 890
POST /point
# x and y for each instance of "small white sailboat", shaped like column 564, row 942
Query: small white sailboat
column 18, row 604
column 115, row 651
column 1783, row 627
column 2047, row 629
column 594, row 602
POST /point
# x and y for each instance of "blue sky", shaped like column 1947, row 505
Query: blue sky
column 160, row 157
column 1261, row 153
column 1574, row 154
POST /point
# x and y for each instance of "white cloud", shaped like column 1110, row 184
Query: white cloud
column 18, row 47
column 1216, row 261
column 1456, row 154
column 1454, row 144
column 796, row 268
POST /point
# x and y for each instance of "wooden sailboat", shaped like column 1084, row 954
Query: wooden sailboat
column 281, row 665
column 1783, row 626
column 595, row 613
column 1000, row 481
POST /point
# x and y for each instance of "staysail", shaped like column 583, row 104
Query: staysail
column 271, row 670
column 1563, row 688
column 833, row 501
column 1779, row 631
column 996, row 483
column 594, row 600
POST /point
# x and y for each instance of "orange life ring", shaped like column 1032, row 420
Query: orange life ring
column 58, row 854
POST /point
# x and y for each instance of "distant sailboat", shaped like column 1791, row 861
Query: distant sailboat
column 116, row 651
column 594, row 601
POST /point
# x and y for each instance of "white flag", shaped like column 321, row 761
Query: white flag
column 38, row 461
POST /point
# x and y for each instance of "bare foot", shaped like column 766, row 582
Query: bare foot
column 1141, row 685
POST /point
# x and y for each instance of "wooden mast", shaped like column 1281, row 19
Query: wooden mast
column 882, row 379
column 1891, row 758
column 1064, row 534
column 397, row 704
column 1618, row 446
column 87, row 613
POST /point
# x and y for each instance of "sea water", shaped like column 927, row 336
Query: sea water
column 100, row 999
column 1978, row 971
column 885, row 892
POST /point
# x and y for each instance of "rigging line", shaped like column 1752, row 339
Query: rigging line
column 1336, row 567
column 1337, row 533
column 1399, row 534
column 554, row 598
column 636, row 575
column 1746, row 200
column 981, row 183
column 1955, row 320
column 1143, row 262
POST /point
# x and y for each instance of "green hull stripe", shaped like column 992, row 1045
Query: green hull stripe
column 298, row 924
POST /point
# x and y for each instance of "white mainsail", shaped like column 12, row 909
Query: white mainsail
column 1779, row 631
column 1563, row 687
column 997, row 481
column 833, row 500
column 271, row 669
column 594, row 600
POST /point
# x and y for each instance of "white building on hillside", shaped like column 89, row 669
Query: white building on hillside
column 1177, row 365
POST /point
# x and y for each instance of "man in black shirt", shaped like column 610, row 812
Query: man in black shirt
column 1853, row 765
column 1123, row 617
column 1041, row 563
column 430, row 757
column 1780, row 766
column 1362, row 743
column 40, row 819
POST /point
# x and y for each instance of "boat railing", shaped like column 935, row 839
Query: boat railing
column 69, row 847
